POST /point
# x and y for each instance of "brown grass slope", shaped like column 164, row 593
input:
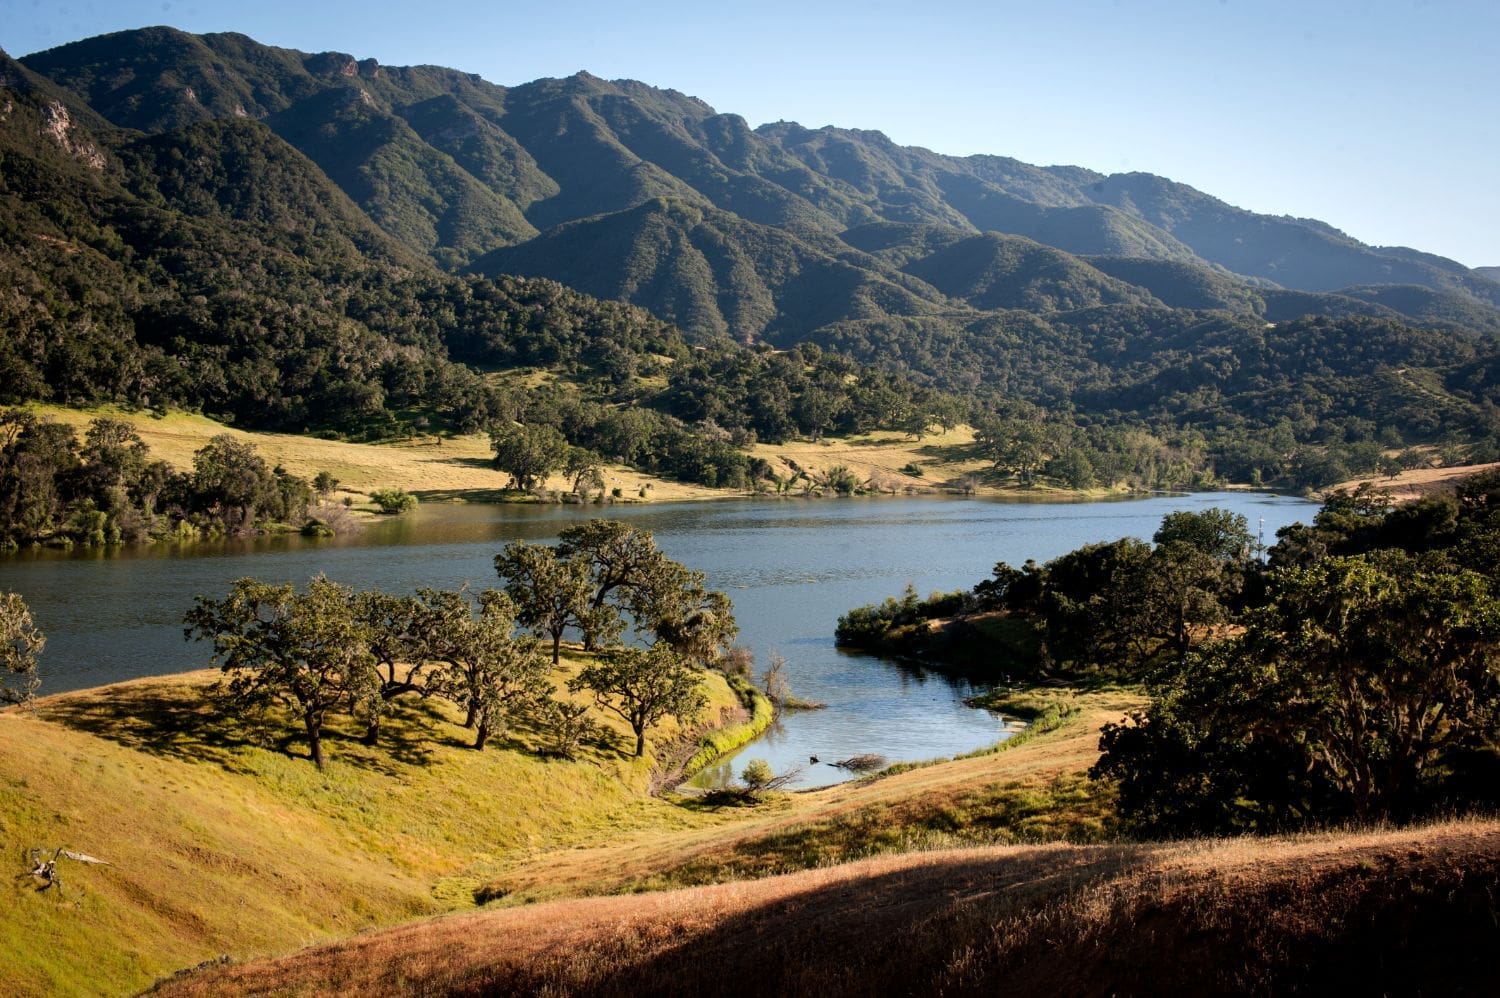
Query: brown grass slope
column 1403, row 911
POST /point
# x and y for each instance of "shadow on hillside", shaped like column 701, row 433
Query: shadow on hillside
column 949, row 453
column 886, row 931
column 182, row 722
column 479, row 463
column 1103, row 920
column 467, row 495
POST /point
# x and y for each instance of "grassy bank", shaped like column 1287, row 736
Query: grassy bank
column 221, row 837
column 721, row 741
column 432, row 468
column 1037, row 791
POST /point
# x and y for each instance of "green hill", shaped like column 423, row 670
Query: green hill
column 218, row 839
column 272, row 236
column 993, row 271
column 711, row 272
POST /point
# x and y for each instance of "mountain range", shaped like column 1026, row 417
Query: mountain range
column 650, row 196
column 281, row 236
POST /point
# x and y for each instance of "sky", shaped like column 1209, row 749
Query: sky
column 1380, row 117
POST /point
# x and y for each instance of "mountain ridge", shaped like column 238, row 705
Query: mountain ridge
column 512, row 161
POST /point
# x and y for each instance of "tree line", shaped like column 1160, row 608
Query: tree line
column 107, row 488
column 1351, row 672
column 331, row 650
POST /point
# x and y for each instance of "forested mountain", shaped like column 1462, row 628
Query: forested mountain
column 318, row 243
column 453, row 165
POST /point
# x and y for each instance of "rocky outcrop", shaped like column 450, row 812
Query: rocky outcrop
column 59, row 125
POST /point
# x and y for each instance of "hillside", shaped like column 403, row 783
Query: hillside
column 1378, row 912
column 218, row 841
column 277, row 237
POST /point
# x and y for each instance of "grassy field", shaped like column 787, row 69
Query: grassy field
column 1419, row 482
column 221, row 837
column 946, row 460
column 431, row 467
column 1381, row 912
column 458, row 468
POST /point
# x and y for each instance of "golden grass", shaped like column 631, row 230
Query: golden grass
column 431, row 467
column 1390, row 911
column 222, row 838
column 458, row 468
column 1419, row 482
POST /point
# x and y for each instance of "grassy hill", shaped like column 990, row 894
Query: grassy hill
column 1401, row 911
column 222, row 838
column 432, row 468
column 223, row 848
column 459, row 467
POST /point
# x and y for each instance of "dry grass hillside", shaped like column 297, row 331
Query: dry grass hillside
column 1409, row 911
column 221, row 837
column 431, row 467
column 448, row 468
column 1421, row 482
column 1032, row 789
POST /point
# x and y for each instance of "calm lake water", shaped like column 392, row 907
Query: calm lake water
column 791, row 566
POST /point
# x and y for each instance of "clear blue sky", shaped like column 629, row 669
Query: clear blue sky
column 1378, row 116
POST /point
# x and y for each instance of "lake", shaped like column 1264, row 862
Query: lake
column 792, row 566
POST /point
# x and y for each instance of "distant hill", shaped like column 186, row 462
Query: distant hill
column 710, row 271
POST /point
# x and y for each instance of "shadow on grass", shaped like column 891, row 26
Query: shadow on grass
column 882, row 931
column 186, row 723
column 950, row 453
column 471, row 495
column 480, row 463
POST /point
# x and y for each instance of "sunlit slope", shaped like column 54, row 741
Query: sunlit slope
column 429, row 466
column 218, row 841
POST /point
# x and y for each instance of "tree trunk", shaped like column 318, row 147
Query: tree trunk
column 372, row 731
column 556, row 646
column 473, row 715
column 314, row 722
column 640, row 742
column 482, row 733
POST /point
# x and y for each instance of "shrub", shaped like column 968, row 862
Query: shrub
column 756, row 775
column 393, row 501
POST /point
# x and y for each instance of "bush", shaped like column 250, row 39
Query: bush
column 393, row 501
column 756, row 775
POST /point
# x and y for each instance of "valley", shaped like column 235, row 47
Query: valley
column 623, row 548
